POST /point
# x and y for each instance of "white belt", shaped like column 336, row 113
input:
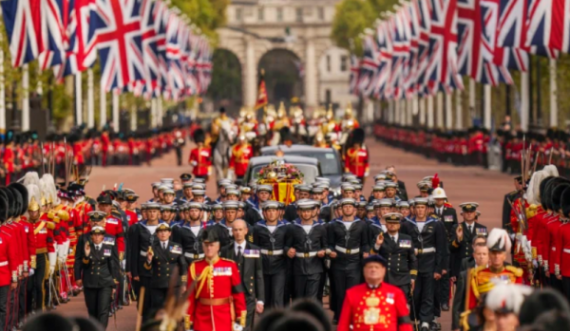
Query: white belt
column 194, row 256
column 272, row 253
column 143, row 253
column 349, row 251
column 306, row 255
column 425, row 250
column 566, row 250
column 3, row 264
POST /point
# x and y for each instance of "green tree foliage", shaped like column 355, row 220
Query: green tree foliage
column 226, row 76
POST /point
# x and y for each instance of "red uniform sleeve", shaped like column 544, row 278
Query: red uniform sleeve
column 31, row 242
column 232, row 159
column 26, row 258
column 402, row 312
column 345, row 314
column 12, row 258
column 50, row 241
column 555, row 255
column 543, row 249
column 239, row 298
column 120, row 237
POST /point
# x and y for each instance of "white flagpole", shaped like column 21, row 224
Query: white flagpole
column 78, row 99
column 159, row 108
column 102, row 106
column 2, row 90
column 25, row 98
column 448, row 111
column 115, row 94
column 90, row 100
column 134, row 118
column 553, row 98
column 430, row 111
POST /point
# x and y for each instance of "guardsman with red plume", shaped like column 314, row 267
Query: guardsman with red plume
column 356, row 158
column 201, row 156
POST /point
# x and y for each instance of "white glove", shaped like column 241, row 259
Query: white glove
column 31, row 272
column 194, row 163
column 366, row 174
column 61, row 253
column 124, row 264
column 535, row 263
column 237, row 327
column 231, row 174
column 52, row 257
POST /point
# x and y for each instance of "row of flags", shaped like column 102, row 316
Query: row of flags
column 426, row 46
column 142, row 45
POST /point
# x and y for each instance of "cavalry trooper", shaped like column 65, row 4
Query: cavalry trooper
column 463, row 235
column 482, row 279
column 223, row 230
column 270, row 235
column 398, row 249
column 307, row 240
column 165, row 260
column 99, row 271
column 248, row 258
column 187, row 234
column 347, row 243
column 141, row 237
column 430, row 242
column 254, row 213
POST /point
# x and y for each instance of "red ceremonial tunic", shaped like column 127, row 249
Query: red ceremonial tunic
column 201, row 160
column 381, row 309
column 217, row 300
column 240, row 158
column 356, row 161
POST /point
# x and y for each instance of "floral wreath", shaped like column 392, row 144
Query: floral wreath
column 279, row 172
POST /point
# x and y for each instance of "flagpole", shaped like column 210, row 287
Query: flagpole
column 422, row 102
column 159, row 109
column 439, row 97
column 430, row 111
column 25, row 98
column 448, row 111
column 134, row 118
column 102, row 106
column 458, row 111
column 78, row 99
column 153, row 112
column 487, row 91
column 524, row 95
column 115, row 94
column 472, row 97
column 90, row 100
column 553, row 99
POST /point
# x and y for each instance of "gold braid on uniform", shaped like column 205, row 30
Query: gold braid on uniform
column 464, row 320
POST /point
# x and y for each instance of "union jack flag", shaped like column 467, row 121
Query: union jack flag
column 205, row 65
column 423, row 10
column 442, row 71
column 354, row 74
column 119, row 42
column 152, row 40
column 79, row 40
column 23, row 22
column 511, row 51
column 410, row 69
column 546, row 21
column 176, row 76
column 369, row 65
column 55, row 17
column 400, row 36
column 381, row 77
column 476, row 26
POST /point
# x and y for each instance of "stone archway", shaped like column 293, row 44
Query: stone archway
column 226, row 86
column 282, row 75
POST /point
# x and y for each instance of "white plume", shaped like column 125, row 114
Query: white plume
column 500, row 236
column 532, row 194
column 507, row 296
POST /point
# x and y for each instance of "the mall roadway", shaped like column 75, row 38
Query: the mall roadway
column 462, row 184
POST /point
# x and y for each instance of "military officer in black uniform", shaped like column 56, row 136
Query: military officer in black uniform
column 165, row 259
column 398, row 249
column 307, row 240
column 430, row 242
column 187, row 234
column 463, row 235
column 141, row 237
column 347, row 244
column 99, row 270
column 248, row 258
column 270, row 235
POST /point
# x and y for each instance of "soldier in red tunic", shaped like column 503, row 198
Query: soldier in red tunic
column 356, row 158
column 217, row 301
column 201, row 156
column 241, row 153
column 375, row 305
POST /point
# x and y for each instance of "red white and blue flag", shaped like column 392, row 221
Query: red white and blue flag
column 23, row 22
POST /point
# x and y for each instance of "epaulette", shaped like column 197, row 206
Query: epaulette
column 434, row 216
column 229, row 260
column 516, row 271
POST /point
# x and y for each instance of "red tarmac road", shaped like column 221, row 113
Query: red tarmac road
column 462, row 184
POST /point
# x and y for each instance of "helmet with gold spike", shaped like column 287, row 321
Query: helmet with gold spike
column 330, row 113
column 282, row 112
column 348, row 113
column 34, row 197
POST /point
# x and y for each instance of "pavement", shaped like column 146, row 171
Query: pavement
column 462, row 184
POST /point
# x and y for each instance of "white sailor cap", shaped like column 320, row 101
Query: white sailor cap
column 385, row 203
column 216, row 206
column 305, row 204
column 347, row 187
column 469, row 206
column 225, row 181
column 323, row 179
column 403, row 204
column 348, row 201
column 231, row 204
column 199, row 186
column 199, row 180
column 379, row 177
column 198, row 192
column 265, row 188
column 378, row 188
column 188, row 185
column 195, row 205
column 369, row 207
column 358, row 187
column 168, row 181
column 390, row 184
column 420, row 201
column 156, row 184
column 232, row 192
column 163, row 187
column 169, row 207
column 270, row 204
column 152, row 205
column 317, row 189
column 303, row 188
column 231, row 187
column 168, row 191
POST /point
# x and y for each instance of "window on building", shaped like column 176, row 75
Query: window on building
column 239, row 14
column 321, row 13
column 343, row 63
column 300, row 15
column 279, row 14
column 261, row 14
column 328, row 63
